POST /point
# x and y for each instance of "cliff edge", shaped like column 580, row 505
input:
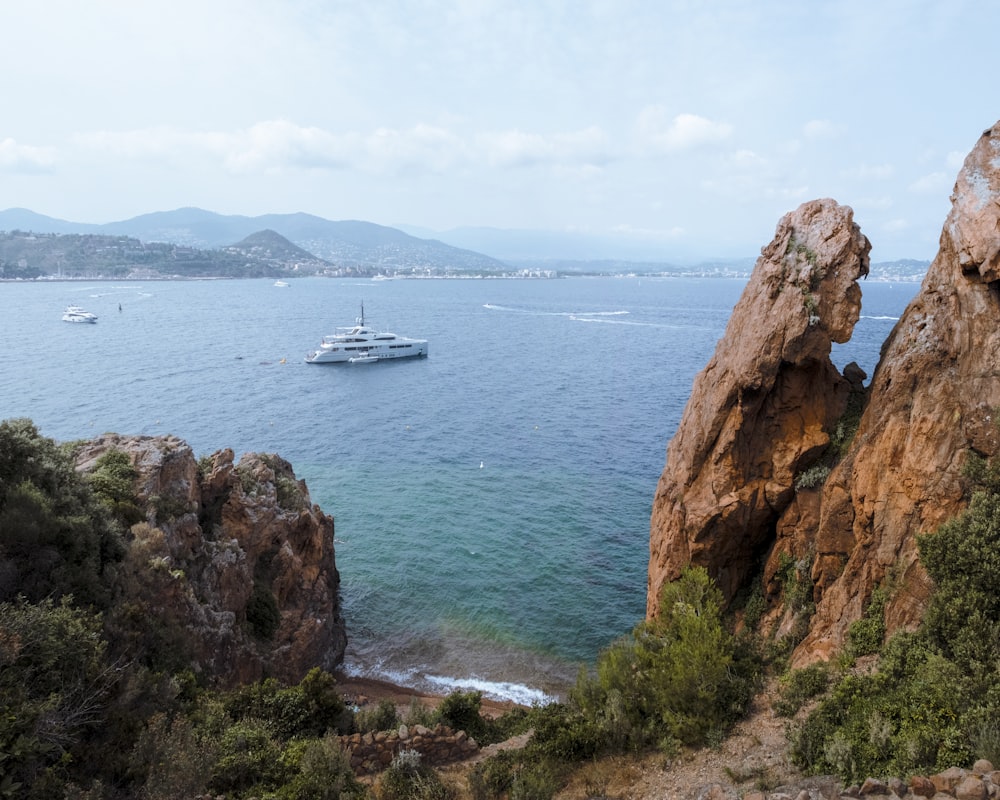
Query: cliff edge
column 769, row 406
column 233, row 567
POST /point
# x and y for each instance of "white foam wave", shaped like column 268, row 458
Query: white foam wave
column 496, row 690
column 894, row 319
column 414, row 679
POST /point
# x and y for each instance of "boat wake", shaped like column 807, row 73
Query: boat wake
column 571, row 314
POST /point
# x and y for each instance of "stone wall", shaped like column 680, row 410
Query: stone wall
column 373, row 752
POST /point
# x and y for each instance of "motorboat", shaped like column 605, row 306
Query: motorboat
column 362, row 344
column 281, row 284
column 77, row 314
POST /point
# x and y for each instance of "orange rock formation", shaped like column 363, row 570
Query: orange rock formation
column 217, row 538
column 765, row 407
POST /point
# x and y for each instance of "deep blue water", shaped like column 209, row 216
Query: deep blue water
column 491, row 501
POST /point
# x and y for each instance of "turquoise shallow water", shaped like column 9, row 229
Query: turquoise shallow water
column 491, row 501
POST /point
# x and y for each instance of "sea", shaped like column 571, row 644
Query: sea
column 491, row 501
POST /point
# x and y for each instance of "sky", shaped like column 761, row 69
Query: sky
column 688, row 126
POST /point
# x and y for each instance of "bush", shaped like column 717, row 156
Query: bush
column 248, row 758
column 263, row 616
column 311, row 709
column 409, row 779
column 56, row 683
column 933, row 701
column 381, row 718
column 56, row 539
column 866, row 635
column 801, row 685
column 324, row 774
column 681, row 676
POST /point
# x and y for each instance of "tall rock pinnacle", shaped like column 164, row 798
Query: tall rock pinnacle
column 764, row 408
column 934, row 398
column 760, row 411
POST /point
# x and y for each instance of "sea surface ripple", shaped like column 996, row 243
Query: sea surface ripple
column 491, row 501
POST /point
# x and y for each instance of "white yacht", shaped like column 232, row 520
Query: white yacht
column 362, row 344
column 77, row 314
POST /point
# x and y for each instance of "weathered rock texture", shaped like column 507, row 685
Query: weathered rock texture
column 933, row 399
column 761, row 410
column 234, row 566
column 768, row 402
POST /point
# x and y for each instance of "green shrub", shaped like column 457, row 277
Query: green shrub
column 801, row 685
column 680, row 676
column 866, row 635
column 263, row 616
column 382, row 717
column 324, row 772
column 248, row 758
column 934, row 699
column 113, row 482
column 310, row 709
column 409, row 779
column 56, row 538
column 527, row 775
column 812, row 477
column 56, row 683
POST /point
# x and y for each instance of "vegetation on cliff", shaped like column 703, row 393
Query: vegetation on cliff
column 100, row 701
column 932, row 698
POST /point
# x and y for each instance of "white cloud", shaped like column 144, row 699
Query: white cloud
column 895, row 225
column 518, row 149
column 869, row 172
column 955, row 159
column 654, row 234
column 16, row 157
column 873, row 203
column 279, row 145
column 684, row 132
column 820, row 129
column 933, row 183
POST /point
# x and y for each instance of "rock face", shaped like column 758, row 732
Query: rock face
column 933, row 400
column 233, row 565
column 769, row 402
column 760, row 412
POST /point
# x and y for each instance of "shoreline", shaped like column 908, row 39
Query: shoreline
column 363, row 692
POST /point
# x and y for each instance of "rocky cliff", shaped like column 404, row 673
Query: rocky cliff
column 233, row 566
column 745, row 491
column 761, row 411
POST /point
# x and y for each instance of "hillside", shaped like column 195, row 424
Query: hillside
column 350, row 246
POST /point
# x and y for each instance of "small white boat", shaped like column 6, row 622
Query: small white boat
column 362, row 344
column 281, row 284
column 77, row 314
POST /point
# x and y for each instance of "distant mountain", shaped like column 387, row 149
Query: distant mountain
column 22, row 219
column 272, row 248
column 353, row 245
